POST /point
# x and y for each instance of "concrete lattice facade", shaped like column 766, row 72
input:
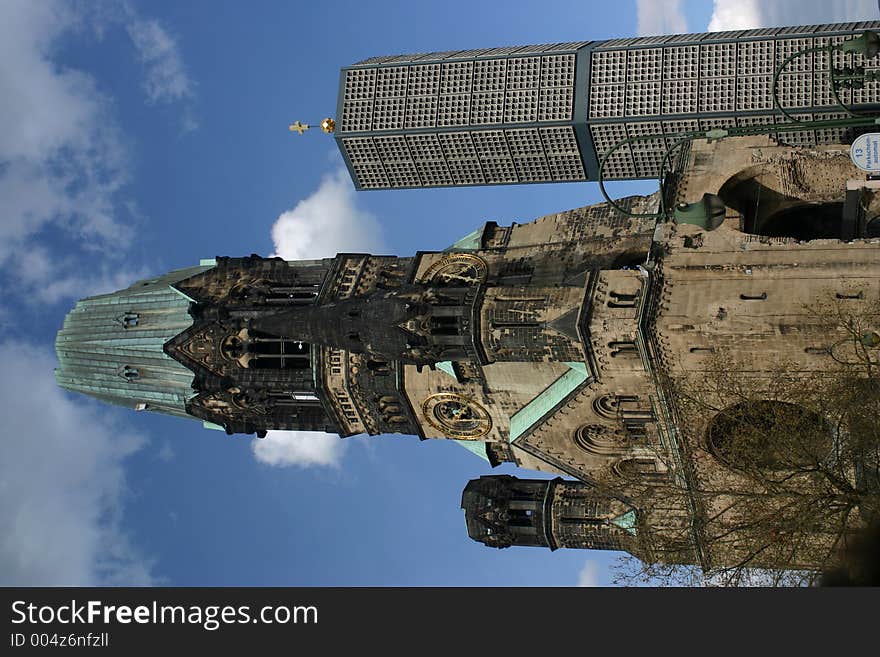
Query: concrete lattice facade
column 548, row 113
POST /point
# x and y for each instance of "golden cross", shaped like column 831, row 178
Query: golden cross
column 299, row 127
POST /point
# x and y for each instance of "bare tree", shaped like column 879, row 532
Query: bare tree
column 794, row 465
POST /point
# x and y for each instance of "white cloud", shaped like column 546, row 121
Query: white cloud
column 745, row 14
column 299, row 448
column 62, row 483
column 166, row 78
column 63, row 163
column 326, row 223
column 589, row 575
column 660, row 17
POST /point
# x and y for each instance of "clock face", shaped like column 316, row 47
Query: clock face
column 457, row 270
column 456, row 416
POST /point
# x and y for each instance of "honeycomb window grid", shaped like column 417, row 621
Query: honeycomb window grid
column 532, row 169
column 717, row 60
column 566, row 167
column 675, row 127
column 756, row 57
column 487, row 107
column 525, row 143
column 523, row 73
column 557, row 71
column 648, row 164
column 606, row 101
column 434, row 174
column 425, row 147
column 717, row 94
column 359, row 84
column 555, row 104
column 644, row 64
column 559, row 140
column 642, row 99
column 788, row 47
column 619, row 165
column 454, row 110
column 491, row 144
column 870, row 93
column 457, row 145
column 392, row 148
column 681, row 62
column 402, row 174
column 608, row 67
column 489, row 75
column 391, row 81
column 424, row 80
column 795, row 90
column 679, row 96
column 388, row 113
column 753, row 93
column 839, row 59
column 371, row 175
column 521, row 106
column 606, row 136
column 421, row 112
column 499, row 170
column 823, row 95
column 361, row 149
column 456, row 77
column 466, row 172
column 357, row 116
column 713, row 123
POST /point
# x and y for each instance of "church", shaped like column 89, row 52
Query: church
column 641, row 351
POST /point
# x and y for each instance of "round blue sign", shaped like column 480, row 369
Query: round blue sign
column 865, row 152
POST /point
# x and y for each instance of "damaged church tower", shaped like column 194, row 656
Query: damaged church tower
column 560, row 345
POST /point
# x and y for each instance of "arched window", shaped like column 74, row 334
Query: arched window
column 768, row 435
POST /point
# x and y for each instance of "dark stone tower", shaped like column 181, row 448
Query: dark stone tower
column 501, row 511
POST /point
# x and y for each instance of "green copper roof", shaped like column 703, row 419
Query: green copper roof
column 446, row 366
column 111, row 346
column 475, row 446
column 540, row 406
column 471, row 241
column 627, row 521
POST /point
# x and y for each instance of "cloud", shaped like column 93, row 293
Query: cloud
column 62, row 483
column 49, row 279
column 660, row 17
column 299, row 448
column 589, row 575
column 64, row 162
column 166, row 79
column 326, row 223
column 745, row 14
column 61, row 159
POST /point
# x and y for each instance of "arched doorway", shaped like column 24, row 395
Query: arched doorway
column 769, row 212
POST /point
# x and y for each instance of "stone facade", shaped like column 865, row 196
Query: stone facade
column 559, row 345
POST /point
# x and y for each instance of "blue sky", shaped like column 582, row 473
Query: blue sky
column 142, row 136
